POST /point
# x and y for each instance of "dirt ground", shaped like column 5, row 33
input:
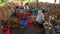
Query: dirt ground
column 30, row 30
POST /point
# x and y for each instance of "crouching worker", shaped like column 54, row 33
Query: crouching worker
column 40, row 18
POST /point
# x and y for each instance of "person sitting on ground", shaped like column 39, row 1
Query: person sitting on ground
column 40, row 18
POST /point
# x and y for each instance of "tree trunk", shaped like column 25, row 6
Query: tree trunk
column 37, row 4
column 54, row 4
column 21, row 2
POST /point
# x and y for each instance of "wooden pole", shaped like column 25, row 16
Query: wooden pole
column 37, row 7
column 37, row 4
column 21, row 3
column 54, row 4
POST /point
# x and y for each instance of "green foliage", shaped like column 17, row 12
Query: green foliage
column 2, row 2
column 23, row 0
column 28, row 0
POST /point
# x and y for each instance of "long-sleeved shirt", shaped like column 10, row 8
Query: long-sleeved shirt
column 40, row 16
column 26, row 7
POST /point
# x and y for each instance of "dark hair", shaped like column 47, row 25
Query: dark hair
column 26, row 4
column 17, row 7
column 43, row 11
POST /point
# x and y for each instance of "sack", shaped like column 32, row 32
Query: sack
column 30, row 21
column 23, row 23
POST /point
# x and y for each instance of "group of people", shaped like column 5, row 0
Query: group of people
column 50, row 26
column 21, row 14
